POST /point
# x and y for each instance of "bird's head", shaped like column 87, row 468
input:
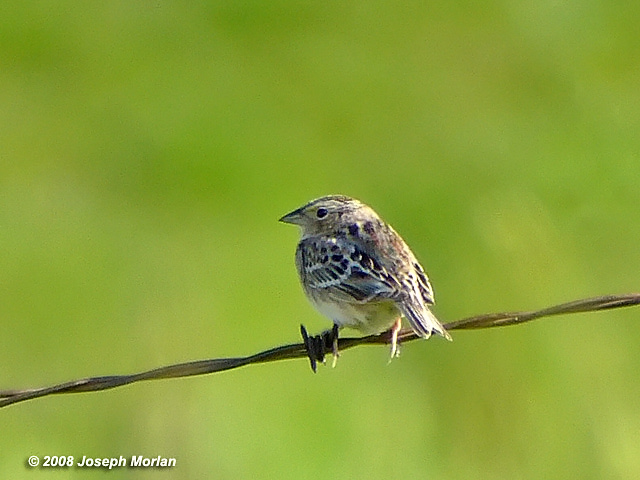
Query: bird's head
column 326, row 214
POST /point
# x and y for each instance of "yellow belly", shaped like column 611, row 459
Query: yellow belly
column 368, row 318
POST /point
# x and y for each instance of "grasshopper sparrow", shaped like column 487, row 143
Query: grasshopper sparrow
column 357, row 270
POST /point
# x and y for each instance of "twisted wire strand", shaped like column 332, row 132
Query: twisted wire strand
column 298, row 350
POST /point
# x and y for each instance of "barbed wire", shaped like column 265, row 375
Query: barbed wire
column 299, row 350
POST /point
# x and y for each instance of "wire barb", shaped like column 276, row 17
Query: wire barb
column 315, row 348
column 318, row 346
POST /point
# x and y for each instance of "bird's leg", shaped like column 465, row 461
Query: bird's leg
column 395, row 347
column 334, row 344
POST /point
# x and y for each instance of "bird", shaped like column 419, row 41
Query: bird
column 357, row 271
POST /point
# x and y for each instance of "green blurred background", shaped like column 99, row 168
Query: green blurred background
column 148, row 148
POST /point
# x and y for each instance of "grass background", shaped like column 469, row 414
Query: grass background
column 148, row 148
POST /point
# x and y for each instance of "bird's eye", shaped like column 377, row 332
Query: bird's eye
column 321, row 212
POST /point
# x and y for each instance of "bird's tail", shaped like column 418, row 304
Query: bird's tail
column 423, row 321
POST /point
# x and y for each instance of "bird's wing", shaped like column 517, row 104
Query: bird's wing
column 344, row 270
column 423, row 284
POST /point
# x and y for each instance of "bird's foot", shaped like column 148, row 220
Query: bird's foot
column 333, row 336
column 395, row 346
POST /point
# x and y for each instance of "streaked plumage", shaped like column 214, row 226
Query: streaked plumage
column 357, row 270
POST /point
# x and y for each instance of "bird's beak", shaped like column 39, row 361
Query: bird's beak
column 295, row 217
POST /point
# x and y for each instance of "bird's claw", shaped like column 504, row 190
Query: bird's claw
column 395, row 345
